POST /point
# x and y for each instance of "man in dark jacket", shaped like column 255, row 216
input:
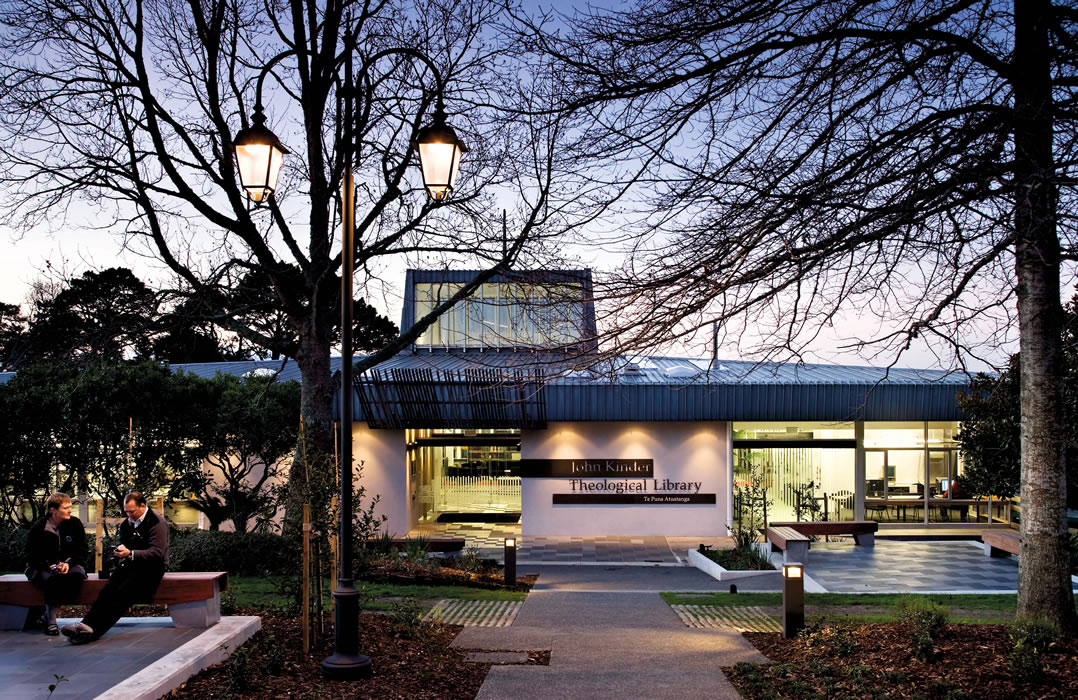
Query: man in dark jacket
column 143, row 555
column 56, row 555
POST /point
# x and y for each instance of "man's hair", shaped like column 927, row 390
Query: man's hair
column 137, row 497
column 56, row 500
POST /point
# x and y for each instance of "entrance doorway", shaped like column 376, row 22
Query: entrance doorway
column 466, row 475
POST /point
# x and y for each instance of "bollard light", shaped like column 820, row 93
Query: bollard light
column 510, row 561
column 793, row 599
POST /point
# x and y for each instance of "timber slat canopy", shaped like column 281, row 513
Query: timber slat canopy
column 470, row 398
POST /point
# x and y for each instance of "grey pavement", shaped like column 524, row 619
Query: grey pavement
column 610, row 635
column 139, row 657
column 639, row 578
column 918, row 567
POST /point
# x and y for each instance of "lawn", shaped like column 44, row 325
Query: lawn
column 880, row 607
column 268, row 592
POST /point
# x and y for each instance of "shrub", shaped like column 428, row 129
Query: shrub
column 12, row 546
column 1029, row 640
column 926, row 619
column 835, row 639
column 407, row 617
column 238, row 680
column 239, row 553
column 416, row 548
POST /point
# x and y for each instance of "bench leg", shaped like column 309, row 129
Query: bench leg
column 796, row 551
column 866, row 539
column 13, row 617
column 990, row 551
column 200, row 614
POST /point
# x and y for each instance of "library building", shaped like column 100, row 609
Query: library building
column 492, row 416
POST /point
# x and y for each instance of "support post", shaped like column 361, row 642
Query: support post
column 99, row 535
column 306, row 578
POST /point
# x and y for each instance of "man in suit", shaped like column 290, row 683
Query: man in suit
column 143, row 556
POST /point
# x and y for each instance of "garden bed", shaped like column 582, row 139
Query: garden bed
column 875, row 660
column 409, row 660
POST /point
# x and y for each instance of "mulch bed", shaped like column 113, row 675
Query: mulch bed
column 272, row 664
column 969, row 661
column 406, row 572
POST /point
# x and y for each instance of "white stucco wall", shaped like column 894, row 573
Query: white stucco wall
column 385, row 473
column 681, row 452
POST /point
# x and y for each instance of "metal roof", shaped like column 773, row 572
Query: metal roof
column 683, row 389
column 673, row 388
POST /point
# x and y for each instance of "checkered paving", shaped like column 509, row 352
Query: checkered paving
column 910, row 566
column 738, row 619
column 475, row 613
column 574, row 550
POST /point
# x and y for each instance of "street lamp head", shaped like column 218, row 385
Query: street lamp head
column 439, row 156
column 259, row 155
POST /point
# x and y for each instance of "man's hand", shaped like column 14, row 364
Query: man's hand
column 122, row 552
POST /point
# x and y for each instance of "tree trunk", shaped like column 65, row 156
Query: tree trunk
column 1044, row 587
column 315, row 450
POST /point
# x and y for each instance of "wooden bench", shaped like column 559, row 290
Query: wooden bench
column 1000, row 543
column 437, row 544
column 193, row 598
column 863, row 531
column 792, row 544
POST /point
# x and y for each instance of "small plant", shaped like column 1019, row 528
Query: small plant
column 779, row 670
column 407, row 617
column 384, row 546
column 894, row 677
column 469, row 560
column 274, row 654
column 835, row 639
column 229, row 605
column 1029, row 640
column 416, row 549
column 751, row 508
column 927, row 620
column 859, row 673
column 56, row 683
column 238, row 680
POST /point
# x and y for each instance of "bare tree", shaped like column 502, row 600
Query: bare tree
column 784, row 162
column 130, row 109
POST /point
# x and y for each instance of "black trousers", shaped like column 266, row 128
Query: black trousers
column 59, row 589
column 128, row 584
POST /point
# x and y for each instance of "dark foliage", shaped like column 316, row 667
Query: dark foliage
column 239, row 553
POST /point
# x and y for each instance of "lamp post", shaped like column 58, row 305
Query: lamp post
column 259, row 155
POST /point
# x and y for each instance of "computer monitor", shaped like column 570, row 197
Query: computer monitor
column 945, row 485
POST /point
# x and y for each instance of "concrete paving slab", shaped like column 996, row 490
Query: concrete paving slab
column 516, row 638
column 504, row 682
column 611, row 636
column 620, row 578
column 30, row 661
column 212, row 646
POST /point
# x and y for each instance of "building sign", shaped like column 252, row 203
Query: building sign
column 633, row 492
column 647, row 499
column 588, row 468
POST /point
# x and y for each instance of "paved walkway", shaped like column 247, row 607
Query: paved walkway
column 610, row 635
column 141, row 657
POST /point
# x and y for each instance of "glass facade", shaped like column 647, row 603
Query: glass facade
column 503, row 315
column 465, row 471
column 810, row 478
column 912, row 472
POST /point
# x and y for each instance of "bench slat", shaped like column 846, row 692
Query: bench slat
column 841, row 527
column 177, row 587
column 782, row 536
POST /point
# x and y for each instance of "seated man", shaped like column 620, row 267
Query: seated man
column 55, row 554
column 143, row 555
